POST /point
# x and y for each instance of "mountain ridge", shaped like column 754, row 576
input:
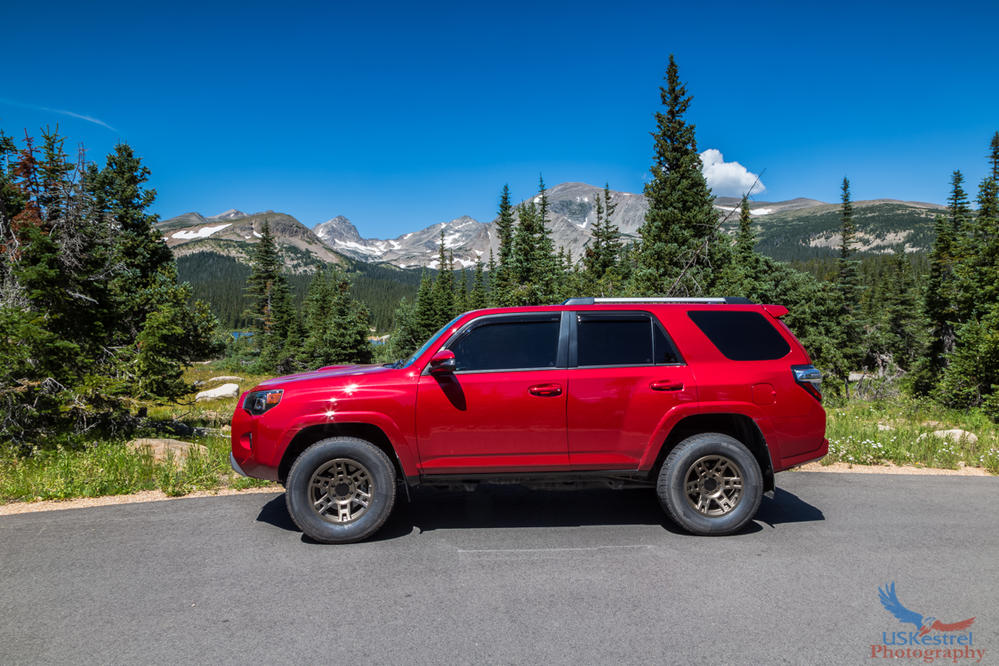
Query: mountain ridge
column 799, row 228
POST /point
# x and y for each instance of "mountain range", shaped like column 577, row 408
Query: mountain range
column 797, row 229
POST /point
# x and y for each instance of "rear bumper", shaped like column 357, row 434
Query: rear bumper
column 805, row 458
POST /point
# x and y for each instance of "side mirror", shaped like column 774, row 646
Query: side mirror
column 443, row 362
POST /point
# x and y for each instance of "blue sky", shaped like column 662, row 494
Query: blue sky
column 403, row 115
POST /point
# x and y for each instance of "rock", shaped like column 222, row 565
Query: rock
column 954, row 435
column 223, row 378
column 856, row 376
column 161, row 449
column 885, row 426
column 224, row 391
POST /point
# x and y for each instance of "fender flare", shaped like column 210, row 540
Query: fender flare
column 404, row 451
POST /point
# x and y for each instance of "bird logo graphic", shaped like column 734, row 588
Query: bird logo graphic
column 924, row 624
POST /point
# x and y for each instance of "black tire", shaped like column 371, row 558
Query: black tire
column 347, row 472
column 711, row 507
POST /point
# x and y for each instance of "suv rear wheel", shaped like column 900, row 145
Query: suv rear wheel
column 710, row 484
column 341, row 490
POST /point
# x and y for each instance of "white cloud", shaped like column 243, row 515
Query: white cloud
column 728, row 179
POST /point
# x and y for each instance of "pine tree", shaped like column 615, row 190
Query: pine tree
column 145, row 263
column 745, row 240
column 533, row 269
column 444, row 287
column 987, row 254
column 406, row 337
column 505, row 228
column 89, row 293
column 338, row 325
column 939, row 306
column 477, row 297
column 897, row 336
column 260, row 286
column 848, row 283
column 276, row 354
column 461, row 294
column 680, row 236
column 425, row 314
column 994, row 156
column 491, row 281
column 604, row 250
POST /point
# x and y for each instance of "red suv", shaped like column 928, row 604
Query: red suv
column 702, row 399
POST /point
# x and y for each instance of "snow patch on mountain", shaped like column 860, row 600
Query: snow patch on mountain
column 203, row 232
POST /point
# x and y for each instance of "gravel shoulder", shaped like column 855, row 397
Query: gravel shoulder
column 13, row 508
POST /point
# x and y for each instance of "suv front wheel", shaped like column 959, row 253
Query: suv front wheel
column 341, row 490
column 710, row 484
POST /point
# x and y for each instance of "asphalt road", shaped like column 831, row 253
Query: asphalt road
column 504, row 575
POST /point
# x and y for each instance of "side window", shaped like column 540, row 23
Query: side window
column 509, row 345
column 665, row 351
column 617, row 340
column 741, row 335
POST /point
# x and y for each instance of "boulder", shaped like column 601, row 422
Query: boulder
column 224, row 378
column 885, row 427
column 161, row 449
column 224, row 391
column 953, row 435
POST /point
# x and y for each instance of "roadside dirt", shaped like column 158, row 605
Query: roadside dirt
column 144, row 496
column 888, row 469
column 159, row 496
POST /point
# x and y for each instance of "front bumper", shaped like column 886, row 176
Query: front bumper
column 235, row 465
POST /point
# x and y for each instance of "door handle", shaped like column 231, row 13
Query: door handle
column 666, row 385
column 545, row 390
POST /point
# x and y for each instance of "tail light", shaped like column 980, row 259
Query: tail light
column 809, row 378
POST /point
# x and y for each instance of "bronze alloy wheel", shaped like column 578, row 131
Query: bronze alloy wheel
column 713, row 485
column 340, row 491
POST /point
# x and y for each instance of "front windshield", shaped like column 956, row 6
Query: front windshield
column 426, row 345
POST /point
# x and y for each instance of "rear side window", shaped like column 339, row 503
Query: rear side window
column 617, row 340
column 741, row 336
column 508, row 345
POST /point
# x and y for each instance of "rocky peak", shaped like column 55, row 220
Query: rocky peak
column 230, row 214
column 335, row 229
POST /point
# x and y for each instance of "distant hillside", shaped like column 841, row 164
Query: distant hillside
column 220, row 281
column 233, row 234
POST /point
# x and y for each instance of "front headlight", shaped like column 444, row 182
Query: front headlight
column 258, row 402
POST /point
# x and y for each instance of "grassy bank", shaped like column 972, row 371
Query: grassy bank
column 108, row 468
column 872, row 433
column 93, row 469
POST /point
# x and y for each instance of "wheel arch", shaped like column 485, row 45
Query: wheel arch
column 733, row 424
column 309, row 435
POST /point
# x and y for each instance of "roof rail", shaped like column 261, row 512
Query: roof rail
column 727, row 300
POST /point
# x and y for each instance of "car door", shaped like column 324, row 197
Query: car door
column 503, row 408
column 625, row 374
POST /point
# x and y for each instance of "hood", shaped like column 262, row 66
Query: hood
column 328, row 372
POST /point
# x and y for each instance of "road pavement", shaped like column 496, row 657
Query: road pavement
column 504, row 575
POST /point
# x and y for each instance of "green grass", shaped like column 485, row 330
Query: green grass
column 109, row 468
column 101, row 468
column 872, row 433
